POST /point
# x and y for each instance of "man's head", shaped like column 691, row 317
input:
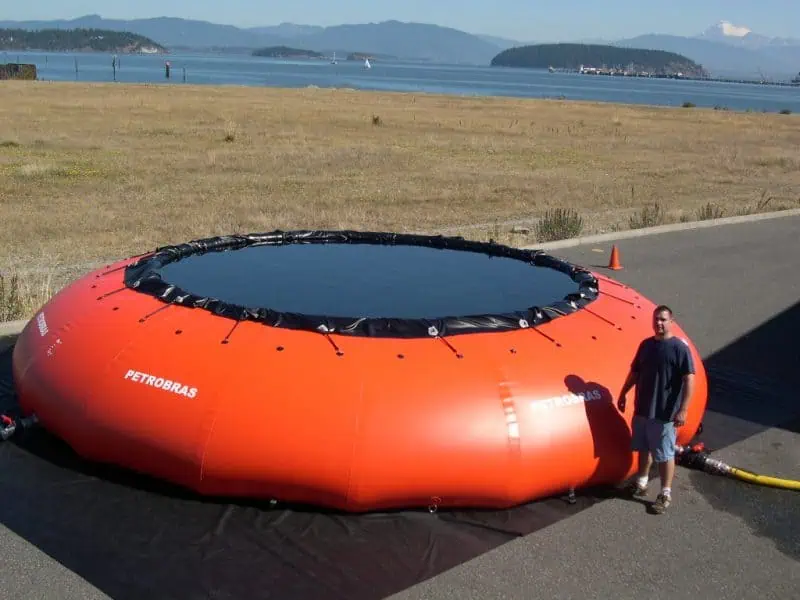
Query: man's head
column 662, row 321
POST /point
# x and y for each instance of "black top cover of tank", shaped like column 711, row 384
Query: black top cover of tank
column 365, row 283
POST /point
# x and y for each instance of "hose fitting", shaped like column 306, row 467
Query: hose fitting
column 9, row 426
column 696, row 456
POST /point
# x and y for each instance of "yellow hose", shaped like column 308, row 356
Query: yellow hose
column 786, row 484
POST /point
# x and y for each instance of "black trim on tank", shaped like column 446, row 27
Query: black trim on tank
column 143, row 276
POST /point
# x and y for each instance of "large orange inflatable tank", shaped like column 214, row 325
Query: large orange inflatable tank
column 352, row 413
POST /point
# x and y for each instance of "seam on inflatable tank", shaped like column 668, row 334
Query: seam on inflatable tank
column 208, row 437
column 357, row 426
column 509, row 413
column 508, row 406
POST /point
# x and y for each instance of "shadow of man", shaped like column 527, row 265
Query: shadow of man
column 611, row 435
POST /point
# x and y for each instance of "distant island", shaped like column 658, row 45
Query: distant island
column 589, row 58
column 373, row 56
column 286, row 52
column 78, row 40
column 289, row 52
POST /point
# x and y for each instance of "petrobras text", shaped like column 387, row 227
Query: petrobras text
column 176, row 387
column 567, row 400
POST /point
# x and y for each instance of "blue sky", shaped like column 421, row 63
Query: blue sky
column 525, row 20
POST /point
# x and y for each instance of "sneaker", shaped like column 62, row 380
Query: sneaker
column 661, row 504
column 635, row 490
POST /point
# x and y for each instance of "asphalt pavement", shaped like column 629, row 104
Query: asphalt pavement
column 735, row 292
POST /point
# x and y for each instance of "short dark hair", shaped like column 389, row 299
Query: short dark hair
column 662, row 308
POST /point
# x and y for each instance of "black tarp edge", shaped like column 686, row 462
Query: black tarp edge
column 144, row 276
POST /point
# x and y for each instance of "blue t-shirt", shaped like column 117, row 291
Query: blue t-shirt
column 660, row 366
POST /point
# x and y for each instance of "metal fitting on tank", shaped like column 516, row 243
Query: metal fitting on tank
column 9, row 426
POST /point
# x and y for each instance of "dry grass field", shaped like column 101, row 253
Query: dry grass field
column 97, row 171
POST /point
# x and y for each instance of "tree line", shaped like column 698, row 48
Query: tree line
column 573, row 56
column 72, row 40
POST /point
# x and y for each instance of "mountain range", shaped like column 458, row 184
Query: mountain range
column 724, row 49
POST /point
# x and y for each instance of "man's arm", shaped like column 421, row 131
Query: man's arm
column 630, row 381
column 688, row 389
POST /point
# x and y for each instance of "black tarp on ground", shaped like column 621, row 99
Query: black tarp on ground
column 134, row 538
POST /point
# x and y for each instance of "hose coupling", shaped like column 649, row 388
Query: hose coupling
column 9, row 426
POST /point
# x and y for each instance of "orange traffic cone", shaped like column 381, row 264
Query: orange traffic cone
column 614, row 263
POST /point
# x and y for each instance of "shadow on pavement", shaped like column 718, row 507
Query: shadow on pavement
column 132, row 537
column 753, row 389
column 769, row 512
column 752, row 381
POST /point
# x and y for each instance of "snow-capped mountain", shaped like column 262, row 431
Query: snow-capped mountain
column 726, row 29
column 743, row 36
column 730, row 50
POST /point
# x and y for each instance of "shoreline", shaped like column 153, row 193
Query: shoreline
column 756, row 82
column 685, row 105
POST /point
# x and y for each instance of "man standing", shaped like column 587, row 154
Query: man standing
column 663, row 373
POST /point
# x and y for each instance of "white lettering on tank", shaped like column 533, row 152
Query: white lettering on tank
column 41, row 323
column 167, row 385
column 570, row 399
